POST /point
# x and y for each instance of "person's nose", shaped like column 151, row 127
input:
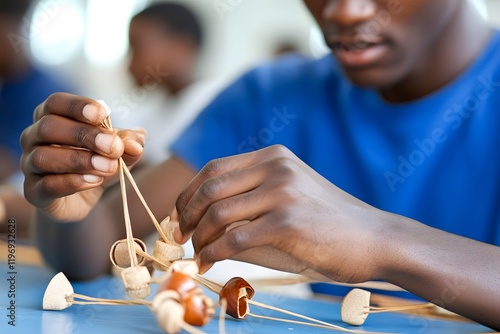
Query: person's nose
column 349, row 13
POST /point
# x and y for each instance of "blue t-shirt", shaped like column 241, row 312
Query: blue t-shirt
column 435, row 159
column 18, row 100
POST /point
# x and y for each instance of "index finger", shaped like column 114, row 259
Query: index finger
column 224, row 165
column 76, row 107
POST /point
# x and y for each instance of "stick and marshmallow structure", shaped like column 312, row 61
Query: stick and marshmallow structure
column 180, row 304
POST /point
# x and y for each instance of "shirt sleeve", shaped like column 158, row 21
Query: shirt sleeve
column 222, row 128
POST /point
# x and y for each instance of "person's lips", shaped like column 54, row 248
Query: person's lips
column 358, row 52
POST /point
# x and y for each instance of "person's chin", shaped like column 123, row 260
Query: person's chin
column 368, row 78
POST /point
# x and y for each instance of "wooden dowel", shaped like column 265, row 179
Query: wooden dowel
column 211, row 285
column 302, row 279
column 93, row 300
column 222, row 314
column 329, row 327
column 374, row 309
column 297, row 315
column 128, row 225
column 151, row 257
column 143, row 201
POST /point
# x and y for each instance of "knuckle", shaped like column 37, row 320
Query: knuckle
column 280, row 150
column 28, row 193
column 82, row 135
column 38, row 159
column 196, row 241
column 218, row 212
column 75, row 104
column 47, row 188
column 284, row 167
column 23, row 162
column 39, row 111
column 24, row 139
column 283, row 213
column 212, row 168
column 237, row 239
column 211, row 254
column 289, row 193
column 51, row 101
column 44, row 128
column 55, row 186
column 76, row 160
column 181, row 201
column 209, row 189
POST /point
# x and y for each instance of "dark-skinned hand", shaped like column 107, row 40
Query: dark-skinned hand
column 69, row 157
column 269, row 208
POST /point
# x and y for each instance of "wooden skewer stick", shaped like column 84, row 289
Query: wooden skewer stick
column 222, row 312
column 143, row 201
column 210, row 285
column 100, row 301
column 330, row 327
column 128, row 225
column 297, row 315
column 303, row 279
column 152, row 258
column 373, row 309
column 60, row 295
column 123, row 170
column 107, row 124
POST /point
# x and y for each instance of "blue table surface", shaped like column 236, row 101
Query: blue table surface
column 30, row 284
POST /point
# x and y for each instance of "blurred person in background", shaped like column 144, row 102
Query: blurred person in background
column 22, row 87
column 165, row 44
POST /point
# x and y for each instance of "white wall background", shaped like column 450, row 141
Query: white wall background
column 494, row 11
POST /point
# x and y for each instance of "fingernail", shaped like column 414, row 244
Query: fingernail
column 204, row 267
column 174, row 215
column 140, row 130
column 142, row 137
column 133, row 147
column 93, row 114
column 177, row 235
column 104, row 142
column 103, row 164
column 89, row 178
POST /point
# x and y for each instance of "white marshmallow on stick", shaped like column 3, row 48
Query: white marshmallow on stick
column 355, row 307
column 55, row 295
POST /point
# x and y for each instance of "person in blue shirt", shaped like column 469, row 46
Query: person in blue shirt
column 22, row 87
column 376, row 162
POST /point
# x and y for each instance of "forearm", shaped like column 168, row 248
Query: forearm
column 453, row 272
column 79, row 249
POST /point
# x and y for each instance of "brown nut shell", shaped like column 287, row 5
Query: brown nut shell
column 237, row 292
column 180, row 282
column 199, row 309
